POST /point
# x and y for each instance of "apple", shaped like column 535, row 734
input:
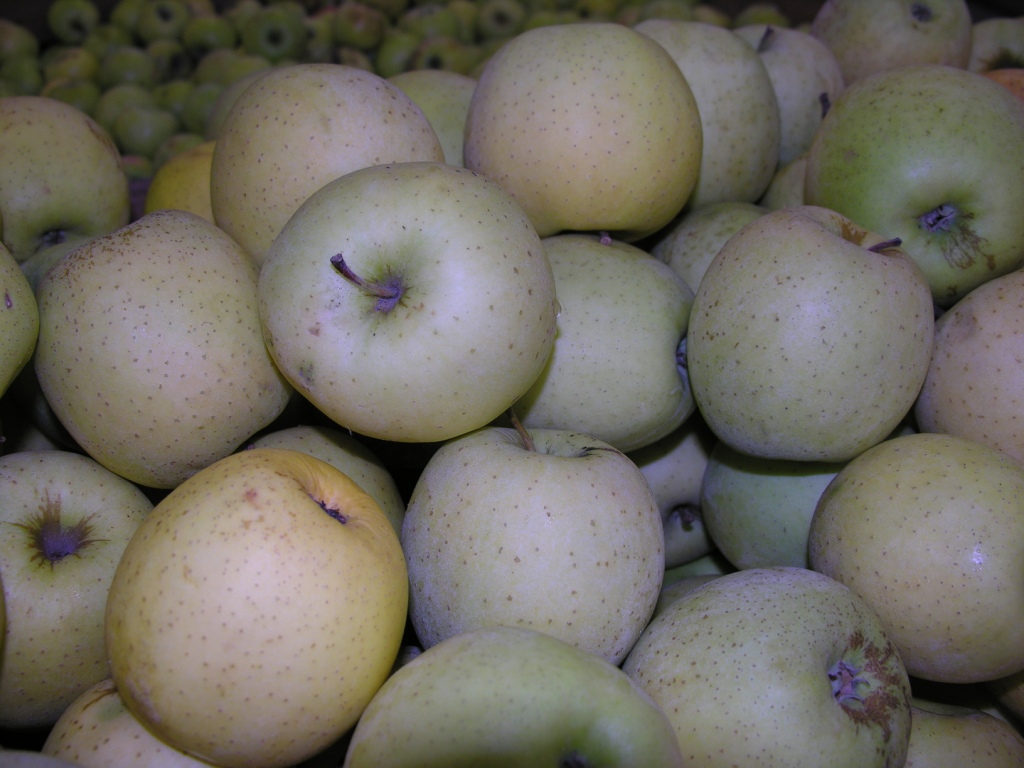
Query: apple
column 22, row 75
column 71, row 63
column 510, row 696
column 276, row 32
column 179, row 375
column 786, row 188
column 429, row 19
column 346, row 453
column 183, row 182
column 202, row 34
column 677, row 587
column 116, row 99
column 500, row 19
column 286, row 619
column 800, row 322
column 125, row 14
column 544, row 529
column 590, row 126
column 364, row 121
column 614, row 372
column 1012, row 79
column 755, row 13
column 444, row 97
column 869, row 36
column 81, row 94
column 806, row 77
column 71, row 21
column 928, row 529
column 66, row 523
column 776, row 666
column 427, row 265
column 739, row 111
column 891, row 155
column 19, row 320
column 63, row 176
column 690, row 243
column 394, row 53
column 139, row 130
column 161, row 20
column 23, row 758
column 973, row 384
column 358, row 25
column 172, row 60
column 127, row 64
column 446, row 53
column 1009, row 693
column 949, row 736
column 17, row 40
column 997, row 43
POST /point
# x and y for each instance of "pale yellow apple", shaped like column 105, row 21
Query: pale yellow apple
column 19, row 319
column 183, row 182
column 283, row 618
column 444, row 97
column 591, row 126
column 950, row 736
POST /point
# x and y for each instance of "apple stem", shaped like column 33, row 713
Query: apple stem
column 606, row 238
column 526, row 437
column 387, row 293
column 892, row 242
column 766, row 38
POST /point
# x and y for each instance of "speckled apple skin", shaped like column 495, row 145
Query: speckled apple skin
column 929, row 530
column 959, row 737
column 296, row 129
column 974, row 387
column 151, row 351
column 245, row 624
column 741, row 667
column 19, row 319
column 590, row 126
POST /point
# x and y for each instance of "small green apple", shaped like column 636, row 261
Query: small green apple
column 500, row 19
column 444, row 97
column 83, row 95
column 161, row 20
column 512, row 697
column 395, row 52
column 74, row 62
column 172, row 60
column 17, row 40
column 276, row 32
column 22, row 74
column 202, row 34
column 116, row 99
column 127, row 64
column 139, row 130
column 429, row 19
column 71, row 21
column 105, row 38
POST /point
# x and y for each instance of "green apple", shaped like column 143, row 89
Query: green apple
column 512, row 697
column 758, row 511
column 786, row 188
column 876, row 35
column 429, row 19
column 202, row 34
column 614, row 373
column 161, row 20
column 997, row 43
column 425, row 264
column 17, row 40
column 120, row 97
column 674, row 10
column 949, row 736
column 66, row 523
column 276, row 32
column 284, row 622
column 739, row 111
column 973, row 383
column 320, row 35
column 329, row 119
column 500, row 19
column 62, row 179
column 125, row 14
column 105, row 38
column 139, row 130
column 444, row 97
column 933, row 155
column 19, row 320
column 23, row 75
column 761, row 13
column 74, row 62
column 226, row 98
column 674, row 467
column 800, row 321
column 172, row 60
column 173, row 146
column 71, row 21
column 197, row 110
column 776, row 666
column 806, row 77
column 83, row 95
column 690, row 243
column 548, row 530
column 952, row 510
column 549, row 121
column 179, row 375
column 127, row 64
column 446, row 53
column 395, row 52
column 173, row 94
column 348, row 454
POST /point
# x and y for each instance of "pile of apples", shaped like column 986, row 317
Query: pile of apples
column 647, row 393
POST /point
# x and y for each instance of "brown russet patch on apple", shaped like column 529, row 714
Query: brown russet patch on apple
column 875, row 706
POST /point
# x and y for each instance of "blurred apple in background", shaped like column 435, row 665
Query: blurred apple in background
column 997, row 43
column 179, row 375
column 893, row 155
column 929, row 530
column 287, row 618
column 67, row 521
column 511, row 696
column 356, row 118
column 556, row 532
column 444, row 97
column 739, row 112
column 427, row 266
column 183, row 183
column 547, row 122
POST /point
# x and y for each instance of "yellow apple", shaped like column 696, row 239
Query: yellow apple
column 183, row 182
column 19, row 319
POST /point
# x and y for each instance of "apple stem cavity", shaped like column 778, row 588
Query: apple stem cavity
column 335, row 513
column 921, row 12
column 524, row 435
column 52, row 541
column 892, row 242
column 573, row 760
column 387, row 292
column 605, row 238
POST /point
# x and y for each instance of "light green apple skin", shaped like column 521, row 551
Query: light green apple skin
column 444, row 97
column 21, row 758
column 952, row 597
column 997, row 43
column 690, row 243
column 583, row 560
column 473, row 328
column 63, row 176
column 743, row 668
column 508, row 696
column 786, row 188
column 179, row 374
column 739, row 112
column 674, row 467
column 326, row 119
column 973, row 384
column 758, row 511
column 796, row 331
column 19, row 319
column 54, row 646
column 870, row 36
column 806, row 77
column 613, row 373
column 949, row 736
column 286, row 616
column 345, row 452
column 548, row 119
column 933, row 155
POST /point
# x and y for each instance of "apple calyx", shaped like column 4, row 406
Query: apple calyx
column 388, row 292
column 892, row 242
column 961, row 246
column 846, row 682
column 921, row 12
column 331, row 512
column 52, row 540
column 51, row 238
column 573, row 760
column 867, row 682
